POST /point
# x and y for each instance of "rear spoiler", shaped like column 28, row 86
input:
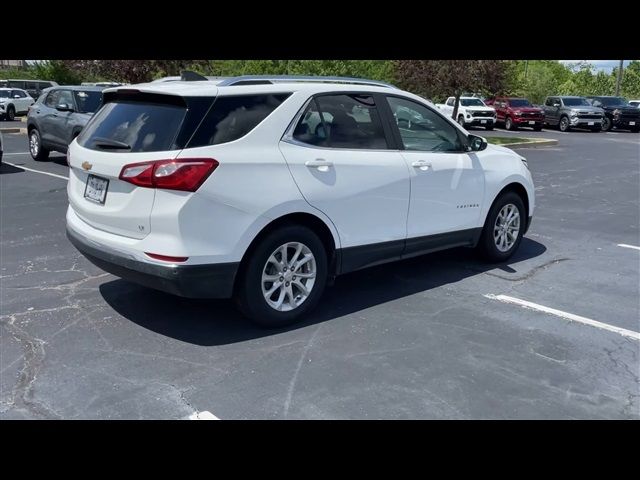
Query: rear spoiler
column 135, row 95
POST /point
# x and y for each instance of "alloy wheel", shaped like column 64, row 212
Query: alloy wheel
column 507, row 227
column 288, row 276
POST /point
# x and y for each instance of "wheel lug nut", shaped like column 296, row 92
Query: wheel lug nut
column 286, row 284
column 281, row 278
column 294, row 277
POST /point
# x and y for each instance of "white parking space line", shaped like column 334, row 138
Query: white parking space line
column 38, row 171
column 566, row 315
column 624, row 245
column 204, row 415
column 17, row 153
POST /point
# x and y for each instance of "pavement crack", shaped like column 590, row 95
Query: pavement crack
column 530, row 273
column 22, row 397
column 294, row 379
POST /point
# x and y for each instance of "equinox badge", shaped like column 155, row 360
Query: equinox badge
column 86, row 165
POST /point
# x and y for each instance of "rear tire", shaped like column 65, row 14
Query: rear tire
column 252, row 288
column 497, row 243
column 38, row 152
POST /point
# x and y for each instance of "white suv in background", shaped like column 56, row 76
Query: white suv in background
column 14, row 101
column 264, row 188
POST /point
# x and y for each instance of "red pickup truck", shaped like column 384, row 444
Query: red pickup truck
column 518, row 112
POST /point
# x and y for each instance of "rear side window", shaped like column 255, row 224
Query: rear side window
column 133, row 127
column 351, row 121
column 232, row 117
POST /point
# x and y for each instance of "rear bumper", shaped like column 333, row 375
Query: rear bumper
column 191, row 281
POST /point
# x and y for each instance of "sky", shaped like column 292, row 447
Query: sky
column 604, row 65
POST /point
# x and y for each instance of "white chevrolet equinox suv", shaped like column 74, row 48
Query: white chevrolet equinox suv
column 265, row 188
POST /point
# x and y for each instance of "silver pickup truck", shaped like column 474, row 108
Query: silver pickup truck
column 567, row 112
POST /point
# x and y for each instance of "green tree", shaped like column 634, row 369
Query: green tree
column 438, row 79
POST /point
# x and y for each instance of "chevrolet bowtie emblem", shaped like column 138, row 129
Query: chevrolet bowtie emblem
column 86, row 165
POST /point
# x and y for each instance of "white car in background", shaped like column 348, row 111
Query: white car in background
column 472, row 112
column 14, row 101
column 634, row 103
column 230, row 189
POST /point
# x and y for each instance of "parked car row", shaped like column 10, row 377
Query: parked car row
column 595, row 113
column 34, row 88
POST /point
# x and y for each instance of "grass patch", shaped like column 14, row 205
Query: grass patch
column 508, row 140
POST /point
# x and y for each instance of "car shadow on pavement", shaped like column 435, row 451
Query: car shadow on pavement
column 217, row 322
column 5, row 168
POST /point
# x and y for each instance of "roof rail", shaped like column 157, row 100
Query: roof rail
column 267, row 79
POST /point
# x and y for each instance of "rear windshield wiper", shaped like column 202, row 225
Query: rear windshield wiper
column 107, row 143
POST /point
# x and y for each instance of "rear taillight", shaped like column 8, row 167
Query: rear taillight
column 185, row 174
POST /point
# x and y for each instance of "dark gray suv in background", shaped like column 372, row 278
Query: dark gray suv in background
column 58, row 116
column 567, row 112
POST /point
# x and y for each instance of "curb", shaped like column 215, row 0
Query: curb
column 543, row 142
column 13, row 130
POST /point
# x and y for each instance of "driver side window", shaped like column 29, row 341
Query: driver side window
column 423, row 129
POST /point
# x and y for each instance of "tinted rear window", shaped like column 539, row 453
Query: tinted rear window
column 231, row 118
column 143, row 127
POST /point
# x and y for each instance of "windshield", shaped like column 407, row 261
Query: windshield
column 519, row 102
column 611, row 101
column 5, row 93
column 471, row 102
column 575, row 102
column 88, row 102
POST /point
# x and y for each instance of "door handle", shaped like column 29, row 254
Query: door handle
column 422, row 164
column 319, row 163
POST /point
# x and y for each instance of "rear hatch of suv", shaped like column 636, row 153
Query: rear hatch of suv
column 133, row 127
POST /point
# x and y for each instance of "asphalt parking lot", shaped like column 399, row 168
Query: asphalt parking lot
column 436, row 337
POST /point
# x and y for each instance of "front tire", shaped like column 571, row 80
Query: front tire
column 283, row 277
column 607, row 124
column 461, row 120
column 508, row 124
column 503, row 228
column 38, row 152
column 564, row 125
column 11, row 113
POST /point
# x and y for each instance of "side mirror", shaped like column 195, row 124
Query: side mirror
column 64, row 107
column 16, row 96
column 556, row 104
column 476, row 143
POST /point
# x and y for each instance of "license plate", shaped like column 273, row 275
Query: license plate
column 591, row 123
column 483, row 121
column 632, row 123
column 96, row 189
column 531, row 122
